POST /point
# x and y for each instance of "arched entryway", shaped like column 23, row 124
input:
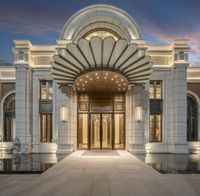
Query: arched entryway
column 192, row 118
column 9, row 118
column 100, row 63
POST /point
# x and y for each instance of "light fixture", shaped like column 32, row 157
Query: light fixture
column 138, row 113
column 63, row 113
column 97, row 77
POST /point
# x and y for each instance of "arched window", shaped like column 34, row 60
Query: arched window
column 192, row 118
column 102, row 33
column 9, row 118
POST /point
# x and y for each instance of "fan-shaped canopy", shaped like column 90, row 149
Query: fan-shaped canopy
column 97, row 54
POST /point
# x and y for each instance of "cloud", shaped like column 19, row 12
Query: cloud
column 5, row 63
column 193, row 37
column 163, row 20
column 19, row 24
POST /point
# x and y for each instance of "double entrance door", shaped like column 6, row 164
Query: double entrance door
column 101, row 122
column 101, row 131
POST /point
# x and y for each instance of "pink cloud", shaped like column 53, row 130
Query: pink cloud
column 19, row 24
column 193, row 37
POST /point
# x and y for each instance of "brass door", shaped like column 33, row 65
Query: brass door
column 101, row 131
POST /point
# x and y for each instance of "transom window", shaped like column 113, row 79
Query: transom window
column 102, row 33
column 46, row 90
column 155, row 90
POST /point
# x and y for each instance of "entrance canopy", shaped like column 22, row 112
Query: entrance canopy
column 96, row 54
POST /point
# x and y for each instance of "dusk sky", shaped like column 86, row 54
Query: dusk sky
column 41, row 21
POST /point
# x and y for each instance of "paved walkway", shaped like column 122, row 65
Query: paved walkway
column 86, row 174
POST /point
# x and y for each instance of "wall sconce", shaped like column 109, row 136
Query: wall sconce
column 63, row 113
column 139, row 113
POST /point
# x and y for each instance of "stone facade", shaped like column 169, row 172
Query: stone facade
column 32, row 64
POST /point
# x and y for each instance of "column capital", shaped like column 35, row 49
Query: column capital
column 181, row 65
column 22, row 65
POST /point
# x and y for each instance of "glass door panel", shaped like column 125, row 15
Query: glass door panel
column 83, row 131
column 106, row 124
column 95, row 128
column 119, row 131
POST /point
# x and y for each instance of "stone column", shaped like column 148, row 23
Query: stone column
column 23, row 108
column 129, row 120
column 64, row 134
column 179, row 97
column 138, row 129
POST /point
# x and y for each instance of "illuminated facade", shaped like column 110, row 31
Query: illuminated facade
column 100, row 87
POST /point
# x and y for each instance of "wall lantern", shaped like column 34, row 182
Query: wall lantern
column 63, row 113
column 139, row 113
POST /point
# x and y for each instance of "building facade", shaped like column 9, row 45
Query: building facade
column 100, row 87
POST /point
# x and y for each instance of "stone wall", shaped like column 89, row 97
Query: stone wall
column 194, row 87
column 5, row 88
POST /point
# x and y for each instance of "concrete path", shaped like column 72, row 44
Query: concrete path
column 86, row 174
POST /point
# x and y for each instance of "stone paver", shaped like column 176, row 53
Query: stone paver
column 93, row 175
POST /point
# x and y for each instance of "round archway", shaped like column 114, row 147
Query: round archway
column 192, row 118
column 100, row 16
column 9, row 118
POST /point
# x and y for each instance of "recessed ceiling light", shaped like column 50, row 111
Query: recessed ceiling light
column 112, row 79
column 119, row 84
column 90, row 78
column 83, row 84
column 124, row 84
column 83, row 89
column 106, row 73
column 81, row 79
column 119, row 89
column 97, row 77
column 87, row 76
column 115, row 76
column 117, row 81
column 77, row 84
column 122, row 80
column 86, row 81
column 96, row 74
column 105, row 77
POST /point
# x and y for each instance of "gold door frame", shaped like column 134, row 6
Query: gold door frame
column 86, row 109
